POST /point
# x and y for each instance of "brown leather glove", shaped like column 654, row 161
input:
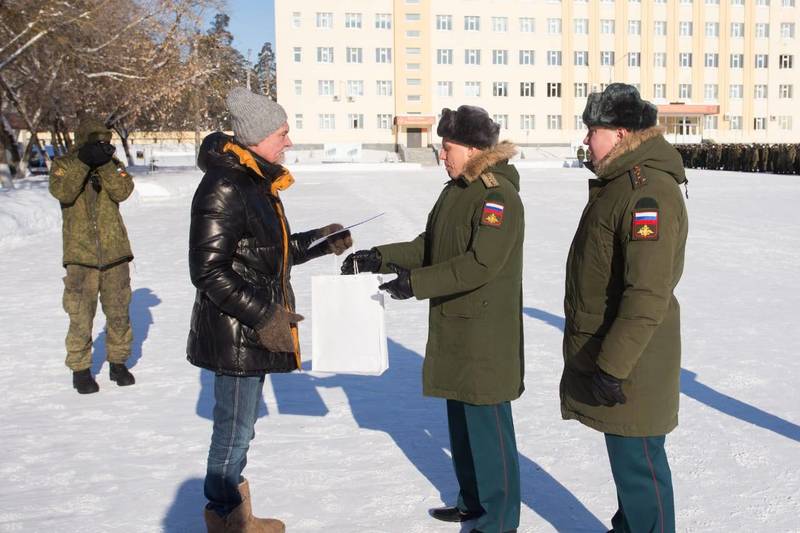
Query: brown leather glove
column 275, row 333
column 339, row 242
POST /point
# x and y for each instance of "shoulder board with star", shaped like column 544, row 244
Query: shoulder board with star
column 638, row 179
column 489, row 180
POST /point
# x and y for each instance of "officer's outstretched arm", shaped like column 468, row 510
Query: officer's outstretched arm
column 408, row 255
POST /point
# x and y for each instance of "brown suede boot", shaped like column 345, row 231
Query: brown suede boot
column 241, row 519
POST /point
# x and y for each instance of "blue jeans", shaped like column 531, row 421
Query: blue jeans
column 235, row 414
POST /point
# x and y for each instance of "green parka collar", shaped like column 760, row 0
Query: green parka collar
column 646, row 148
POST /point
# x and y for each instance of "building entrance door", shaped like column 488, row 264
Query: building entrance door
column 415, row 137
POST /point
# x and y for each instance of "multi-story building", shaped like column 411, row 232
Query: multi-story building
column 379, row 71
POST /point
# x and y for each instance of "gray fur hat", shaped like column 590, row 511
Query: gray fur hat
column 470, row 126
column 253, row 116
column 619, row 106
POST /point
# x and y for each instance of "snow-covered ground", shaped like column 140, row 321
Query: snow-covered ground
column 358, row 454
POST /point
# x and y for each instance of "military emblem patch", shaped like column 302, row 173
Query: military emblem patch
column 59, row 172
column 492, row 214
column 645, row 225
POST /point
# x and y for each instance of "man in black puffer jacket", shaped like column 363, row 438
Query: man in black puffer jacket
column 244, row 324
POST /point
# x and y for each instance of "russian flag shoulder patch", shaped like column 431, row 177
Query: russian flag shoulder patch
column 644, row 226
column 492, row 214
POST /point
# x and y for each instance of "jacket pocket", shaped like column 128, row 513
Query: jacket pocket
column 589, row 323
column 474, row 304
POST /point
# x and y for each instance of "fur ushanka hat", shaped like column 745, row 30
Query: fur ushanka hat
column 619, row 106
column 470, row 126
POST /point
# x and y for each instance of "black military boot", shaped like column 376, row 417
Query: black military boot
column 119, row 372
column 453, row 514
column 83, row 382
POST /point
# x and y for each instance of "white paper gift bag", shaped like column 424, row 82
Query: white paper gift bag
column 348, row 333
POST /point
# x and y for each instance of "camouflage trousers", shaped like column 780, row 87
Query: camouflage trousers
column 82, row 285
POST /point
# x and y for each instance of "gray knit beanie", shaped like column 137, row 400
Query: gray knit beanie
column 253, row 116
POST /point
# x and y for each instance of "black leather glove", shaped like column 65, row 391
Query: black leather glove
column 607, row 389
column 368, row 261
column 400, row 287
column 96, row 154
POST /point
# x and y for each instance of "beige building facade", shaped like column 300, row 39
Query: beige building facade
column 378, row 72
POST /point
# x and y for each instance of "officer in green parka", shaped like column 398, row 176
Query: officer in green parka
column 468, row 264
column 90, row 183
column 622, row 344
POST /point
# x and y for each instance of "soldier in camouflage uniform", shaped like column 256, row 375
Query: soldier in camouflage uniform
column 90, row 183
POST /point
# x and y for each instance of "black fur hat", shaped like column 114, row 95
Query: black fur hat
column 470, row 126
column 619, row 106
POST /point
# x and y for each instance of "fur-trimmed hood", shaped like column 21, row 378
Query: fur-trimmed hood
column 489, row 157
column 646, row 148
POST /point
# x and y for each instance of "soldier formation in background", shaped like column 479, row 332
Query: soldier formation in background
column 773, row 158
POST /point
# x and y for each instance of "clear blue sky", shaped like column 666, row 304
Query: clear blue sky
column 252, row 24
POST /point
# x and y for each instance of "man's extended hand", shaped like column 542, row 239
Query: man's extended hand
column 367, row 260
column 400, row 287
column 607, row 389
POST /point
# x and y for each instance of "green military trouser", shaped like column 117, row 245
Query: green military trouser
column 485, row 459
column 644, row 485
column 81, row 288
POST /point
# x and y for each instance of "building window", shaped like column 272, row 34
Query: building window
column 500, row 57
column 502, row 120
column 581, row 26
column 685, row 28
column 711, row 92
column 712, row 2
column 685, row 91
column 712, row 29
column 553, row 122
column 384, row 87
column 298, row 121
column 500, row 88
column 711, row 122
column 685, row 59
column 500, row 24
column 413, row 34
column 578, row 122
column 787, row 30
column 444, row 22
column 444, row 88
column 355, row 55
column 527, row 122
column 325, row 87
column 785, row 91
column 298, row 87
column 737, row 2
column 760, row 91
column 554, row 57
column 581, row 59
column 413, row 66
column 660, row 90
column 325, row 20
column 297, row 54
column 787, row 3
column 526, row 88
column 472, row 23
column 527, row 25
column 444, row 56
column 554, row 90
column 760, row 123
column 762, row 2
column 352, row 20
column 355, row 88
column 607, row 58
column 607, row 26
column 383, row 21
column 785, row 61
column 327, row 121
column 634, row 59
column 324, row 54
column 737, row 29
column 660, row 59
column 581, row 90
column 737, row 60
column 413, row 17
column 355, row 121
column 296, row 19
column 736, row 91
column 634, row 27
column 785, row 122
column 660, row 28
column 711, row 61
column 472, row 88
column 762, row 61
column 736, row 122
column 384, row 121
column 762, row 30
column 554, row 26
column 383, row 55
column 414, row 98
column 472, row 56
column 527, row 57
